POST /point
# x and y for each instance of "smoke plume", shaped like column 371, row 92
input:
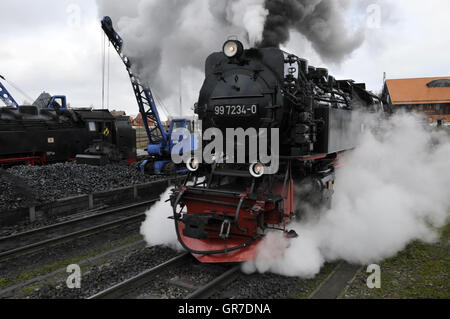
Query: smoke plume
column 172, row 38
column 321, row 21
column 393, row 189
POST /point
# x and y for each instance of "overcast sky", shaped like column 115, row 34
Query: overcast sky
column 55, row 46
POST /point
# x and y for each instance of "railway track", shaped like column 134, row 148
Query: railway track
column 167, row 273
column 178, row 273
column 89, row 224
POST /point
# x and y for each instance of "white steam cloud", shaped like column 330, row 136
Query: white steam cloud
column 158, row 229
column 250, row 14
column 393, row 189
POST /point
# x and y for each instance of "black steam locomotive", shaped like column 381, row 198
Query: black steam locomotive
column 225, row 213
column 42, row 135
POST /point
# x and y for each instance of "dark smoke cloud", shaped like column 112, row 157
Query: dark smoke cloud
column 119, row 9
column 320, row 21
column 172, row 37
column 166, row 38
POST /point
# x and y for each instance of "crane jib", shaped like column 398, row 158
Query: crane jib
column 6, row 97
column 144, row 97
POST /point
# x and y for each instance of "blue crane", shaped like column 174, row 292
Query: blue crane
column 54, row 102
column 160, row 142
column 5, row 96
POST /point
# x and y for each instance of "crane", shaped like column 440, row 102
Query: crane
column 160, row 141
column 5, row 96
column 52, row 102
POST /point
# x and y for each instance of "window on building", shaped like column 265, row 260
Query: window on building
column 442, row 83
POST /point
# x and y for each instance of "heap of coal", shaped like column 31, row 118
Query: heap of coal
column 14, row 190
column 25, row 186
column 43, row 100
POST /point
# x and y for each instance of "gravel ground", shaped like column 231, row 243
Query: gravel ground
column 271, row 286
column 177, row 283
column 255, row 286
column 100, row 277
column 24, row 186
column 96, row 278
column 25, row 226
column 23, row 268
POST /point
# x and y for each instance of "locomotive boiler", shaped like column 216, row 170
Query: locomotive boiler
column 224, row 209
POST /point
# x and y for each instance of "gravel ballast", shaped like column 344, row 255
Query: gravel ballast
column 100, row 277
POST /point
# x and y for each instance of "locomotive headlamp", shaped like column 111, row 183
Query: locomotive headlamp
column 233, row 48
column 192, row 164
column 257, row 170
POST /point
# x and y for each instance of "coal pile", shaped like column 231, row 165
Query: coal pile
column 14, row 191
column 25, row 186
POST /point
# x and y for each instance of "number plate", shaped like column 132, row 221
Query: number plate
column 236, row 110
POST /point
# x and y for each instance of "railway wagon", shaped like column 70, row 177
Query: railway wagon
column 34, row 135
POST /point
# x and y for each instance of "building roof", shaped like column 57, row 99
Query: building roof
column 419, row 91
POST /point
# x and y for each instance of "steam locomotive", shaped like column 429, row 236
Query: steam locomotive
column 224, row 209
column 42, row 135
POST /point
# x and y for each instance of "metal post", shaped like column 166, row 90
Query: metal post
column 135, row 192
column 32, row 214
column 91, row 201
